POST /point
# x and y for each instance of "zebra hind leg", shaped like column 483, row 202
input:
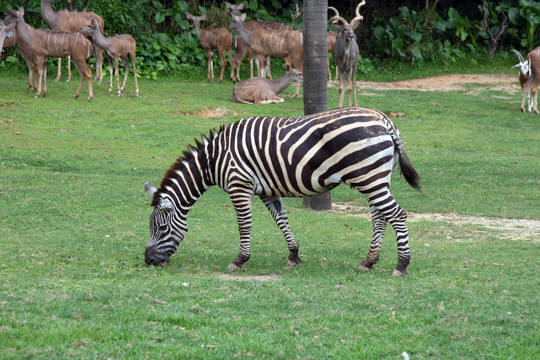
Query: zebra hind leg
column 385, row 204
column 379, row 226
column 276, row 208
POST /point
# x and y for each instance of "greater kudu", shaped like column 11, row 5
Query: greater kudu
column 264, row 91
column 44, row 43
column 220, row 39
column 345, row 52
column 118, row 46
column 24, row 51
column 72, row 22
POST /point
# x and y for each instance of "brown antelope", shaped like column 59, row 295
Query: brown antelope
column 118, row 46
column 25, row 52
column 273, row 43
column 331, row 37
column 534, row 80
column 264, row 91
column 345, row 52
column 72, row 22
column 220, row 39
column 44, row 43
column 263, row 62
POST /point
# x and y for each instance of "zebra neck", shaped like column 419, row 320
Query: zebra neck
column 187, row 180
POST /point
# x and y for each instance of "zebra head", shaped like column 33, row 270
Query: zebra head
column 166, row 230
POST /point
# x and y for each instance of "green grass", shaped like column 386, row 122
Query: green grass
column 74, row 224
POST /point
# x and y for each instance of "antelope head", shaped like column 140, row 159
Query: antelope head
column 523, row 65
column 235, row 9
column 90, row 29
column 346, row 28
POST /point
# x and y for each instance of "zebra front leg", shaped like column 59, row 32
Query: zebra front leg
column 379, row 226
column 276, row 208
column 242, row 205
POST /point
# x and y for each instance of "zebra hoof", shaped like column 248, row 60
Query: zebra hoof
column 365, row 266
column 233, row 267
column 399, row 273
column 292, row 263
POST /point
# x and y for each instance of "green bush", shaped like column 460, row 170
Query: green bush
column 168, row 45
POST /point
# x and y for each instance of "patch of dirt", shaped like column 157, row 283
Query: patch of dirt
column 514, row 229
column 249, row 277
column 444, row 83
column 209, row 113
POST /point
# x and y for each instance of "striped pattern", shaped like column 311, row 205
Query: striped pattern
column 274, row 157
column 61, row 43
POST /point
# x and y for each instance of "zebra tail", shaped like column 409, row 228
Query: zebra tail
column 405, row 164
column 407, row 169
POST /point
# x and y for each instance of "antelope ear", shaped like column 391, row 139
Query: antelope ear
column 243, row 17
column 166, row 205
column 241, row 6
column 11, row 12
column 150, row 189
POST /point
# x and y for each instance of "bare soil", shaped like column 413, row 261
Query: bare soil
column 513, row 229
column 446, row 83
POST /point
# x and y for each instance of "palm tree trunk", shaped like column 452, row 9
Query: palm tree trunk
column 315, row 75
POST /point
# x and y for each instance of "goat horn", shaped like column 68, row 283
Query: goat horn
column 358, row 17
column 518, row 55
column 334, row 19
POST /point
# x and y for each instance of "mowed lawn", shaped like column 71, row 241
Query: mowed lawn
column 74, row 225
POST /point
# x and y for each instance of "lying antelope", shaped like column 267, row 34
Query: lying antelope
column 345, row 52
column 264, row 91
column 44, row 43
column 24, row 50
column 534, row 80
column 523, row 76
column 118, row 46
column 72, row 22
column 220, row 39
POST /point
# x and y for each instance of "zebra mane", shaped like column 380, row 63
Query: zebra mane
column 187, row 155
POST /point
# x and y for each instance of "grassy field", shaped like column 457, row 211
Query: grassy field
column 74, row 225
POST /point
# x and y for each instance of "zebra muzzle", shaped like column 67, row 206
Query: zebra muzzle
column 152, row 257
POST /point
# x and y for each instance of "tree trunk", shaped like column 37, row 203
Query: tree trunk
column 315, row 75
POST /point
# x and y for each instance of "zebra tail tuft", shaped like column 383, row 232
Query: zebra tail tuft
column 407, row 169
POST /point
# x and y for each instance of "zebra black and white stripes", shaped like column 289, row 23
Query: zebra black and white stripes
column 274, row 157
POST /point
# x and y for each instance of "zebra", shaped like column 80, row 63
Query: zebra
column 275, row 157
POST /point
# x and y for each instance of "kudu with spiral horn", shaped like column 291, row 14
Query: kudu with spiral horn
column 345, row 52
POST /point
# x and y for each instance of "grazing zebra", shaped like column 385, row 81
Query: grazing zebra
column 274, row 157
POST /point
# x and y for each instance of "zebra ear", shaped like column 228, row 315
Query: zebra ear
column 150, row 189
column 166, row 205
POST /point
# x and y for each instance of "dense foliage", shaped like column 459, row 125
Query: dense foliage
column 434, row 30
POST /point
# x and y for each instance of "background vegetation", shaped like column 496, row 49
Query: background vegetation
column 441, row 31
column 74, row 224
